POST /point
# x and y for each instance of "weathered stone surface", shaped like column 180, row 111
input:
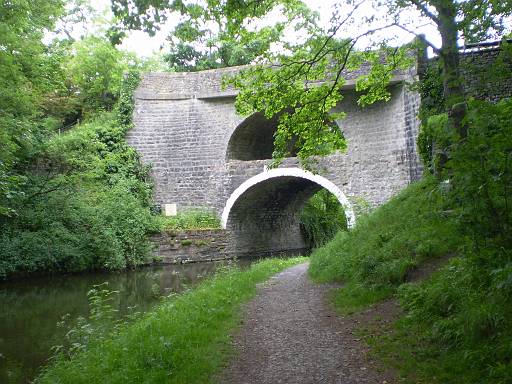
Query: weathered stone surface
column 480, row 82
column 174, row 247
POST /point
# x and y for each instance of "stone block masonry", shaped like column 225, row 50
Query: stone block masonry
column 205, row 155
column 202, row 153
column 174, row 247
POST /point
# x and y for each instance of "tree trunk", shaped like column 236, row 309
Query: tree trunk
column 449, row 53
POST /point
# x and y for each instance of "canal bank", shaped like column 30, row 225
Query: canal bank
column 32, row 308
column 186, row 339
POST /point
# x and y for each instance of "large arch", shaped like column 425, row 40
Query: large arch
column 263, row 213
column 289, row 172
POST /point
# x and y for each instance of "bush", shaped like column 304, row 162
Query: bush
column 85, row 202
column 321, row 218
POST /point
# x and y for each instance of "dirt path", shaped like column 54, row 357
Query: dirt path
column 290, row 335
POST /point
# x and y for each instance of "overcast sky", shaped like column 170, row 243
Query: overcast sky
column 144, row 45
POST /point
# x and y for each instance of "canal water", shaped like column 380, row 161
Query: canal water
column 31, row 309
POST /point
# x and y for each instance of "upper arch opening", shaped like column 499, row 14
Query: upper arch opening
column 253, row 139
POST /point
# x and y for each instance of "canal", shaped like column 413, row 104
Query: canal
column 31, row 309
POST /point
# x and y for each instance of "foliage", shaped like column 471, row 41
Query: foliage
column 194, row 46
column 47, row 88
column 100, row 324
column 391, row 241
column 92, row 213
column 212, row 34
column 73, row 201
column 185, row 340
column 190, row 219
column 286, row 78
column 466, row 307
column 457, row 323
column 435, row 139
column 85, row 204
column 321, row 218
column 304, row 78
column 432, row 104
column 481, row 171
column 26, row 73
column 95, row 72
column 304, row 94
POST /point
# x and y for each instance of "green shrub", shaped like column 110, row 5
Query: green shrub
column 321, row 218
column 85, row 203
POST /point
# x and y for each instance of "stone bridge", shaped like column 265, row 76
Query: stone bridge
column 205, row 155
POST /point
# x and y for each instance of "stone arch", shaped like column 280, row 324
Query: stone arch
column 289, row 172
column 263, row 214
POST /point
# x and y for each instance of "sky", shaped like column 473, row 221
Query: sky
column 144, row 45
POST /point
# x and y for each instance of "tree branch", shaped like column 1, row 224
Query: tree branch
column 423, row 8
column 420, row 36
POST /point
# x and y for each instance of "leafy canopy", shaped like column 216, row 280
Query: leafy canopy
column 303, row 78
column 213, row 33
column 26, row 73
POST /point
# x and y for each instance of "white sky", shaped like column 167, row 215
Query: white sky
column 144, row 45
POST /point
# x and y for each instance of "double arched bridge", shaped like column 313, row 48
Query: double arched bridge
column 205, row 155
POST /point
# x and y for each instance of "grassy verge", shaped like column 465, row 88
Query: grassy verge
column 354, row 297
column 375, row 258
column 417, row 358
column 457, row 322
column 185, row 340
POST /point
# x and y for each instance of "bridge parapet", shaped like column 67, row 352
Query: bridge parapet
column 208, row 84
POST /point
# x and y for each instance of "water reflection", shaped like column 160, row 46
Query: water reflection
column 30, row 309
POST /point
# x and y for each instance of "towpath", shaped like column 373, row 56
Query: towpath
column 291, row 335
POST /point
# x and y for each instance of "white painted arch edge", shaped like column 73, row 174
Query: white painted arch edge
column 293, row 172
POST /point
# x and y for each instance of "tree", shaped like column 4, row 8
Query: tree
column 472, row 20
column 25, row 75
column 95, row 71
column 214, row 33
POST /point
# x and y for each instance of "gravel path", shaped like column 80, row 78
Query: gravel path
column 290, row 335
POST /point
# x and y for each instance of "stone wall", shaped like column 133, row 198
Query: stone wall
column 487, row 75
column 486, row 71
column 173, row 247
column 186, row 141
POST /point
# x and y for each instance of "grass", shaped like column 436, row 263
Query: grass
column 185, row 340
column 456, row 325
column 354, row 297
column 385, row 245
column 417, row 359
column 189, row 220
